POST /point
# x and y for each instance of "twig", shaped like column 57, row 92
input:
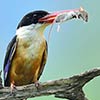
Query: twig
column 69, row 88
column 1, row 86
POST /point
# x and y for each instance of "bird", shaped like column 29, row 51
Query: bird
column 27, row 52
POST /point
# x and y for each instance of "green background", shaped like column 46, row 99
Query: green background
column 73, row 50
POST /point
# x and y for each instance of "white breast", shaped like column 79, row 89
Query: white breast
column 31, row 43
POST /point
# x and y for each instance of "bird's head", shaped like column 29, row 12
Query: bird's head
column 32, row 18
column 37, row 19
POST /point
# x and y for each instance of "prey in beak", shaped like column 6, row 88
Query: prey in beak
column 63, row 16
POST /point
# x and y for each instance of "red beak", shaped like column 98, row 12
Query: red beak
column 52, row 16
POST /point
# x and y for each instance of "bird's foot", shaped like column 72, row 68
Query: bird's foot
column 37, row 85
column 13, row 89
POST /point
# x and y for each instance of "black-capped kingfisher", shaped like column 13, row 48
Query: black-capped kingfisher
column 27, row 52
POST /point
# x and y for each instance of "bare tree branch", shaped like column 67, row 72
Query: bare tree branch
column 69, row 88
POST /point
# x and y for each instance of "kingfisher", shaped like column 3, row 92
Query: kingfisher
column 27, row 52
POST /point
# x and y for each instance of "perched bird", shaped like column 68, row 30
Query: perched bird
column 27, row 52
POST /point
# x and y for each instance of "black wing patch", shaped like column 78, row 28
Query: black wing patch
column 8, row 59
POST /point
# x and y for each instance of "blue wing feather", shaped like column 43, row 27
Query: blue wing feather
column 8, row 60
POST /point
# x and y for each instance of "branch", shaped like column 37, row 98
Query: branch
column 69, row 88
column 1, row 86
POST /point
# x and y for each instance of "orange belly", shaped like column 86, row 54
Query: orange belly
column 25, row 66
column 22, row 73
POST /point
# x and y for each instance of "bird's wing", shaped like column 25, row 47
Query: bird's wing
column 8, row 59
column 43, row 61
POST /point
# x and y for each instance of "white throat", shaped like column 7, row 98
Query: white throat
column 31, row 30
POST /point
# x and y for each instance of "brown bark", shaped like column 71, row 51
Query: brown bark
column 69, row 88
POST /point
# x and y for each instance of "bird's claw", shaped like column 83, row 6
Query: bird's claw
column 37, row 85
column 13, row 89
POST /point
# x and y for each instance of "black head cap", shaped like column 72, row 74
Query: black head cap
column 32, row 18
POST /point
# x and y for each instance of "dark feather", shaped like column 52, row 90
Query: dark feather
column 8, row 59
column 43, row 61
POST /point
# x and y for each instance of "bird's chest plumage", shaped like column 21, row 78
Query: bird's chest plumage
column 31, row 47
column 27, row 59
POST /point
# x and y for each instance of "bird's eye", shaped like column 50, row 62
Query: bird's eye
column 27, row 17
column 34, row 15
